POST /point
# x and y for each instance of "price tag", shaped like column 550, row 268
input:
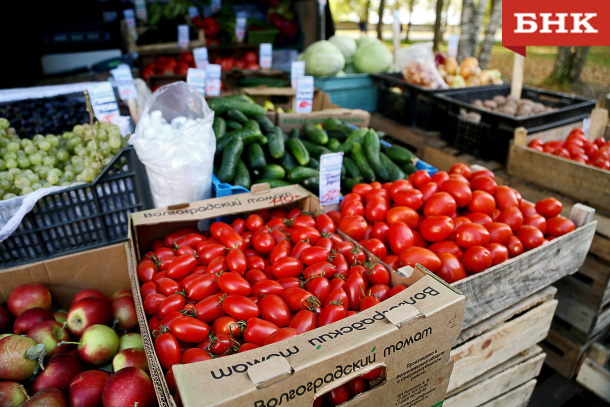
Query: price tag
column 216, row 5
column 103, row 101
column 322, row 3
column 141, row 11
column 396, row 22
column 586, row 125
column 452, row 46
column 193, row 12
column 212, row 83
column 330, row 178
column 201, row 57
column 265, row 55
column 130, row 19
column 304, row 94
column 183, row 36
column 196, row 78
column 124, row 81
column 240, row 27
column 297, row 69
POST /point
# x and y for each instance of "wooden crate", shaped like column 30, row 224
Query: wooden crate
column 414, row 138
column 594, row 374
column 587, row 318
column 439, row 154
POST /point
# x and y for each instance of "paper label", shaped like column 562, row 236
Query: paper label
column 193, row 12
column 141, row 11
column 201, row 57
column 196, row 78
column 396, row 22
column 216, row 5
column 212, row 83
column 130, row 19
column 183, row 36
column 586, row 125
column 124, row 81
column 330, row 178
column 265, row 55
column 103, row 101
column 304, row 94
column 452, row 46
column 240, row 27
column 297, row 70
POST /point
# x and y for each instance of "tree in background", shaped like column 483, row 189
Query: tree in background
column 438, row 33
column 470, row 23
column 411, row 5
column 380, row 23
column 569, row 64
column 495, row 19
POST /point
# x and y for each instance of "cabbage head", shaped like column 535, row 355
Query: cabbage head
column 373, row 57
column 362, row 41
column 323, row 58
column 346, row 44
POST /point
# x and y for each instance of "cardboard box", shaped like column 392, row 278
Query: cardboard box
column 409, row 334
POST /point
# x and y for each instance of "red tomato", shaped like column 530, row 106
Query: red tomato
column 304, row 221
column 314, row 254
column 202, row 287
column 380, row 231
column 325, row 224
column 354, row 226
column 436, row 228
column 255, row 275
column 476, row 259
column 227, row 236
column 440, row 177
column 172, row 303
column 274, row 309
column 396, row 290
column 376, row 209
column 514, row 246
column 400, row 237
column 289, row 282
column 484, row 183
column 263, row 242
column 428, row 190
column 298, row 299
column 287, row 267
column 149, row 288
column 236, row 261
column 505, row 197
column 304, row 321
column 209, row 308
column 281, row 334
column 217, row 265
column 357, row 386
column 335, row 216
column 167, row 350
column 559, row 226
column 537, row 221
column 266, row 287
column 239, row 225
column 479, row 217
column 471, row 234
column 499, row 232
column 257, row 330
column 482, row 202
column 459, row 190
column 549, row 207
column 194, row 355
column 298, row 248
column 152, row 302
column 189, row 329
column 254, row 222
column 208, row 252
column 318, row 286
column 420, row 178
column 451, row 269
column 412, row 198
column 355, row 287
column 499, row 253
column 147, row 270
column 228, row 326
column 440, row 204
column 182, row 266
column 375, row 246
column 240, row 307
column 352, row 208
column 306, row 234
column 403, row 214
column 234, row 284
column 392, row 261
column 419, row 255
column 378, row 275
column 513, row 217
column 375, row 373
column 462, row 169
column 381, row 291
column 446, row 246
column 170, row 238
column 368, row 302
column 332, row 312
column 341, row 265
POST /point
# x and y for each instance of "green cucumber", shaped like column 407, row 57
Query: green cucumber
column 361, row 162
column 300, row 173
column 400, row 155
column 219, row 126
column 265, row 123
column 312, row 184
column 357, row 136
column 332, row 124
column 233, row 125
column 242, row 175
column 223, row 142
column 230, row 156
column 372, row 148
column 236, row 116
column 276, row 142
column 273, row 171
column 313, row 163
column 394, row 170
column 274, row 183
column 347, row 184
column 255, row 157
column 315, row 150
column 351, row 168
column 333, row 145
column 298, row 151
column 315, row 135
column 294, row 133
column 222, row 106
column 409, row 168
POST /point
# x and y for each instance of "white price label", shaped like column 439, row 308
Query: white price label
column 141, row 11
column 330, row 178
column 265, row 55
column 216, row 5
column 452, row 45
column 212, row 83
column 586, row 125
column 201, row 57
column 322, row 3
column 240, row 27
column 304, row 98
column 130, row 18
column 103, row 101
column 124, row 81
column 193, row 12
column 183, row 36
column 396, row 22
column 297, row 69
column 196, row 78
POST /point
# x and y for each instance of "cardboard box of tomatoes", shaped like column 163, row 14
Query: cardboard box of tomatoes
column 405, row 339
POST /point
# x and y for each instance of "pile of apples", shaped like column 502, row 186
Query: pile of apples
column 60, row 359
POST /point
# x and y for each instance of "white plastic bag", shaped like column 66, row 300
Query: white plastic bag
column 175, row 141
column 416, row 62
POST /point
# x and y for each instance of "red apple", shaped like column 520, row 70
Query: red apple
column 60, row 316
column 122, row 293
column 88, row 294
column 124, row 311
column 86, row 388
column 58, row 373
column 47, row 398
column 130, row 357
column 87, row 312
column 127, row 387
column 14, row 365
column 30, row 318
column 131, row 340
column 98, row 345
column 50, row 333
column 12, row 394
column 28, row 296
column 6, row 320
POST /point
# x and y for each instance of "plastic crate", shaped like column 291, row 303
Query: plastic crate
column 350, row 91
column 412, row 106
column 489, row 137
column 262, row 36
column 223, row 189
column 81, row 217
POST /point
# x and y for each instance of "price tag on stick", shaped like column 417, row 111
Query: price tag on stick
column 212, row 83
column 183, row 36
column 124, row 81
column 265, row 55
column 196, row 78
column 297, row 69
column 103, row 101
column 240, row 27
column 452, row 45
column 193, row 12
column 304, row 99
column 216, row 5
column 330, row 178
column 141, row 11
column 201, row 57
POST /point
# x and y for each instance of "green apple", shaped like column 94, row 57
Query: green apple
column 98, row 345
column 131, row 340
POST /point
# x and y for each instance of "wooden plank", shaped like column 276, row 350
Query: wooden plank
column 599, row 354
column 516, row 83
column 583, row 291
column 584, row 317
column 595, row 378
column 599, row 119
column 556, row 133
column 494, row 347
column 494, row 321
column 439, row 158
column 408, row 135
column 600, row 246
column 518, row 397
column 586, row 183
column 498, row 384
column 598, row 272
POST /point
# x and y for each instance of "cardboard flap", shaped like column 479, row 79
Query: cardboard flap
column 270, row 371
column 404, row 316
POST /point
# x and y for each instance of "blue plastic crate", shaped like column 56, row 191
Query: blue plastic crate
column 223, row 189
column 357, row 91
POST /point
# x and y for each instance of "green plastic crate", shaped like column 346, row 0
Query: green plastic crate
column 266, row 36
column 354, row 91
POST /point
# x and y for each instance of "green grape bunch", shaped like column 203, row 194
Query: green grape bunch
column 43, row 161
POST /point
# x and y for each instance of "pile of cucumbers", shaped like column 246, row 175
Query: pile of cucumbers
column 250, row 149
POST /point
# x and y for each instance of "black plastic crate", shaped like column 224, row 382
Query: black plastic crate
column 489, row 137
column 409, row 104
column 81, row 217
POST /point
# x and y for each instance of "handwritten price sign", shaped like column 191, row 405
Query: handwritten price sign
column 330, row 178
